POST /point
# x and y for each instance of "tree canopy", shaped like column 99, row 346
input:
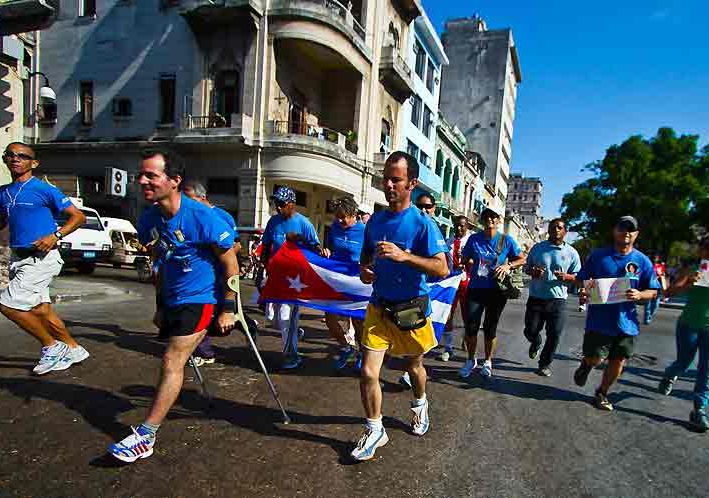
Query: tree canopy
column 662, row 181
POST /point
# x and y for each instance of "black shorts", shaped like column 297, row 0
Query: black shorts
column 187, row 319
column 596, row 344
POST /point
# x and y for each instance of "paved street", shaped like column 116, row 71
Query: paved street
column 518, row 435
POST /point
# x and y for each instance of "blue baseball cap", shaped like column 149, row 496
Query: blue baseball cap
column 283, row 194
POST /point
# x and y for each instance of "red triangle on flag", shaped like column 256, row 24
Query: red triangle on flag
column 290, row 277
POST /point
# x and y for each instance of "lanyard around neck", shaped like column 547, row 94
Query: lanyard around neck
column 13, row 200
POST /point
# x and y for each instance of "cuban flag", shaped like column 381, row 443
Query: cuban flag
column 299, row 276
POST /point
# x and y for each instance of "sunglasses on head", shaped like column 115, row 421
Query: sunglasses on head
column 424, row 206
column 20, row 155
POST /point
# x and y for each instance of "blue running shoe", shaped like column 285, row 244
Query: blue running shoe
column 344, row 357
column 358, row 362
column 292, row 362
column 135, row 446
column 368, row 444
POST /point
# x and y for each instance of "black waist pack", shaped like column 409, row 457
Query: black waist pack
column 408, row 315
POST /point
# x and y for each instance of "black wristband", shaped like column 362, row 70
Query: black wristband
column 230, row 305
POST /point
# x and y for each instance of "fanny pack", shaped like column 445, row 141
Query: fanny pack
column 408, row 315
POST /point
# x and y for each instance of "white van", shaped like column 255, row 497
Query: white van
column 87, row 245
column 124, row 238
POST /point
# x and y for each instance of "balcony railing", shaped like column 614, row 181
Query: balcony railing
column 317, row 132
column 215, row 120
column 395, row 73
column 337, row 10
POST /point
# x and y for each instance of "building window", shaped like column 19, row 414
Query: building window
column 420, row 60
column 393, row 36
column 167, row 99
column 223, row 186
column 416, row 110
column 122, row 107
column 427, row 121
column 385, row 145
column 424, row 160
column 412, row 148
column 86, row 102
column 87, row 8
column 430, row 76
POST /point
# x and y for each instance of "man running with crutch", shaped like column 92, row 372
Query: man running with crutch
column 193, row 245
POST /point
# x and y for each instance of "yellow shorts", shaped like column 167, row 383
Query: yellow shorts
column 380, row 334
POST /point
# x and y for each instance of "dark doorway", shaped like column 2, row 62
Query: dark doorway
column 227, row 94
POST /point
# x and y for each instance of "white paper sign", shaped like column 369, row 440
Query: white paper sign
column 607, row 290
column 703, row 273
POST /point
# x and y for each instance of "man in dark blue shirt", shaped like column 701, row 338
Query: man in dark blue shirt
column 29, row 206
column 193, row 247
column 611, row 328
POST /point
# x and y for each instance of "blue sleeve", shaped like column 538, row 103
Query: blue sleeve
column 431, row 239
column 586, row 272
column 575, row 265
column 214, row 230
column 467, row 251
column 329, row 241
column 310, row 236
column 144, row 227
column 532, row 256
column 513, row 248
column 367, row 245
column 267, row 239
column 57, row 201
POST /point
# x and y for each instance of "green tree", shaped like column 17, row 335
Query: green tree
column 662, row 181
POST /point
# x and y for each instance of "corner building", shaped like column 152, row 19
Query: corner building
column 253, row 93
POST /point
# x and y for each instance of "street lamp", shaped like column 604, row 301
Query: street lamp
column 47, row 100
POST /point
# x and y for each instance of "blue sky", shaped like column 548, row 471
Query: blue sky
column 595, row 74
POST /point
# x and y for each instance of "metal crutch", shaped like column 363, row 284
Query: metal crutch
column 233, row 284
column 198, row 374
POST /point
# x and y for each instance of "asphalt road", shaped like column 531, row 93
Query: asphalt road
column 517, row 435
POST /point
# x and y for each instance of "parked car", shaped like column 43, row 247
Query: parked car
column 87, row 245
column 124, row 240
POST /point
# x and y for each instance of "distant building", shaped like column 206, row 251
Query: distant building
column 479, row 92
column 525, row 199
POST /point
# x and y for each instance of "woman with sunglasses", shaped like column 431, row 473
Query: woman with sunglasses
column 344, row 243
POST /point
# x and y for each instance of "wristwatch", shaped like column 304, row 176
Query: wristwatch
column 59, row 235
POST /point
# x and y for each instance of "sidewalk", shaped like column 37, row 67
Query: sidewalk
column 72, row 289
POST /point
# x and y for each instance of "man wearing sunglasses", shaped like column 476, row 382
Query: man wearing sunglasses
column 289, row 225
column 29, row 206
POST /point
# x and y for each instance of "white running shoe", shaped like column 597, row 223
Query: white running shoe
column 467, row 369
column 51, row 356
column 133, row 447
column 73, row 356
column 420, row 421
column 486, row 370
column 368, row 444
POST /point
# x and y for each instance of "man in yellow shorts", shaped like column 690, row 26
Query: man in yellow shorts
column 402, row 245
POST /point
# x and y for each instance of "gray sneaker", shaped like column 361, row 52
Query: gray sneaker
column 72, row 357
column 51, row 356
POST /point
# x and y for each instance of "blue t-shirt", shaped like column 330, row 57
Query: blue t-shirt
column 184, row 248
column 411, row 230
column 483, row 252
column 619, row 318
column 279, row 227
column 229, row 219
column 555, row 258
column 30, row 208
column 346, row 243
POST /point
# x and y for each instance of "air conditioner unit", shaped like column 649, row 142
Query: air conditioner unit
column 116, row 182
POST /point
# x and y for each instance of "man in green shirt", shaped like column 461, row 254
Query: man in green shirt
column 692, row 336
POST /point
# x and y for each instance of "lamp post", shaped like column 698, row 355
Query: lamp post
column 46, row 112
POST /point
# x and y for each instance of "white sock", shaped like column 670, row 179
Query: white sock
column 375, row 424
column 418, row 401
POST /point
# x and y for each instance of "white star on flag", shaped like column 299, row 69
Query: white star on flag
column 296, row 284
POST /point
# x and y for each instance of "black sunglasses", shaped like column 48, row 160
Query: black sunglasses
column 279, row 204
column 424, row 206
column 20, row 155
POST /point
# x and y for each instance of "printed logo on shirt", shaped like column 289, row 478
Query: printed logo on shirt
column 632, row 270
column 223, row 236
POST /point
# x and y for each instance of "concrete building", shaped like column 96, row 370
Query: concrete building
column 461, row 172
column 253, row 93
column 479, row 93
column 426, row 57
column 19, row 87
column 525, row 199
